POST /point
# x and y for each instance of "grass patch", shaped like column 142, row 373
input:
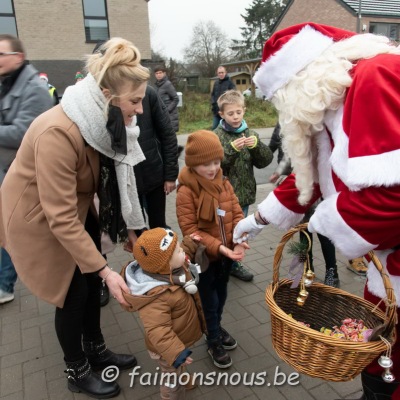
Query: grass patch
column 196, row 113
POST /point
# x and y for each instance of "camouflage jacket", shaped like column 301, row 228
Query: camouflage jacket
column 238, row 165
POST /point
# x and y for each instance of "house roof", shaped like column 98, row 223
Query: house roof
column 374, row 8
column 378, row 8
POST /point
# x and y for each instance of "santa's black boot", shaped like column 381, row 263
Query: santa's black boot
column 100, row 356
column 375, row 388
column 81, row 379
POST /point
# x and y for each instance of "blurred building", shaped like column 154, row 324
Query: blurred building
column 57, row 34
column 375, row 16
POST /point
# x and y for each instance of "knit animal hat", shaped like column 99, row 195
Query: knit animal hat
column 202, row 147
column 79, row 75
column 154, row 248
column 43, row 76
column 290, row 50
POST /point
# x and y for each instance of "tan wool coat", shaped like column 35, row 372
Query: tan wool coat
column 44, row 200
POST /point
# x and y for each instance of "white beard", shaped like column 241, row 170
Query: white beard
column 303, row 155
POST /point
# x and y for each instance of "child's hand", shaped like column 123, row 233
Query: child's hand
column 239, row 143
column 250, row 141
column 196, row 236
column 241, row 248
column 232, row 254
column 188, row 361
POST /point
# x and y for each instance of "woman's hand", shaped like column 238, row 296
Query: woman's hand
column 169, row 186
column 116, row 284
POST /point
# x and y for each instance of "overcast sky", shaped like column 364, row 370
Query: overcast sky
column 172, row 21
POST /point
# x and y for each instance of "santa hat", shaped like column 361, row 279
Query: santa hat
column 290, row 50
column 44, row 76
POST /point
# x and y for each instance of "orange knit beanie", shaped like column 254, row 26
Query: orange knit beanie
column 202, row 147
column 154, row 248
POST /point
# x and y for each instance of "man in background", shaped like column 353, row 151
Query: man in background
column 221, row 85
column 22, row 98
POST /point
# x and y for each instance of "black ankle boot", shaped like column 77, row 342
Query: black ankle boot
column 81, row 379
column 375, row 388
column 100, row 357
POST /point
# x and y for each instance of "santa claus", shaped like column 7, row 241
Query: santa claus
column 338, row 98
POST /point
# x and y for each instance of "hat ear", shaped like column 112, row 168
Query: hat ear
column 143, row 250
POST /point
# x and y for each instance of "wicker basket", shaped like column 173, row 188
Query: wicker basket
column 311, row 352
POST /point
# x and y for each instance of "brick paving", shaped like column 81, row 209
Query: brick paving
column 31, row 361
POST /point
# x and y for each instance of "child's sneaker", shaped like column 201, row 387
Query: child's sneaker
column 219, row 355
column 228, row 342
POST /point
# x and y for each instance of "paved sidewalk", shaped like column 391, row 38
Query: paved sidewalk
column 32, row 362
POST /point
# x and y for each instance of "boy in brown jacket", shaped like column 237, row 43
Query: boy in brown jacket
column 207, row 206
column 161, row 287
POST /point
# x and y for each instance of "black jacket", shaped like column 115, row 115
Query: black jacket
column 168, row 95
column 159, row 145
column 220, row 87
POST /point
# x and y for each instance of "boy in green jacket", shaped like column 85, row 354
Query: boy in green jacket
column 243, row 150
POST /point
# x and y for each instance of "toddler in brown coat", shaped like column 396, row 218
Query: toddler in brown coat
column 164, row 292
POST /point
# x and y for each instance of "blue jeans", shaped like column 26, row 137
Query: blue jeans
column 213, row 290
column 8, row 275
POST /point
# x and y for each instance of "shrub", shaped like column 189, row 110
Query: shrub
column 196, row 113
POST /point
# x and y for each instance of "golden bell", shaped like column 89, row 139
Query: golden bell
column 300, row 301
column 310, row 275
column 303, row 294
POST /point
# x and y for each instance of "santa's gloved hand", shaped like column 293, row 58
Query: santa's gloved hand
column 246, row 229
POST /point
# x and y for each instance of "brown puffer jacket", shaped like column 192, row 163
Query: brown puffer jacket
column 187, row 203
column 173, row 319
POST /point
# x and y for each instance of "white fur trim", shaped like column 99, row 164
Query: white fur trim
column 375, row 170
column 360, row 172
column 375, row 283
column 327, row 221
column 277, row 214
column 293, row 56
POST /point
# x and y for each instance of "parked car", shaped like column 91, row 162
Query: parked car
column 259, row 95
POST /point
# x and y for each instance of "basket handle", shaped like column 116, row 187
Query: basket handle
column 391, row 307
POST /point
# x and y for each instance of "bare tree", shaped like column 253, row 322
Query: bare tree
column 208, row 48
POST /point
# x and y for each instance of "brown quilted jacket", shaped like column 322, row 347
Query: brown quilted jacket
column 172, row 319
column 186, row 210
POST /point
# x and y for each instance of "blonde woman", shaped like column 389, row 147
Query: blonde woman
column 87, row 144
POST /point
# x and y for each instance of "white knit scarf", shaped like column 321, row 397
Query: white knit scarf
column 85, row 104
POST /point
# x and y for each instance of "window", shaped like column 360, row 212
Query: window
column 244, row 82
column 96, row 21
column 7, row 18
column 392, row 31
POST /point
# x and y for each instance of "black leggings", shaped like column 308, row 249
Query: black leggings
column 80, row 317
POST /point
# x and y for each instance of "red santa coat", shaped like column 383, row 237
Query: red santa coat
column 359, row 173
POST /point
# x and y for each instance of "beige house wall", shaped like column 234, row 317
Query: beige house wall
column 328, row 12
column 54, row 29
